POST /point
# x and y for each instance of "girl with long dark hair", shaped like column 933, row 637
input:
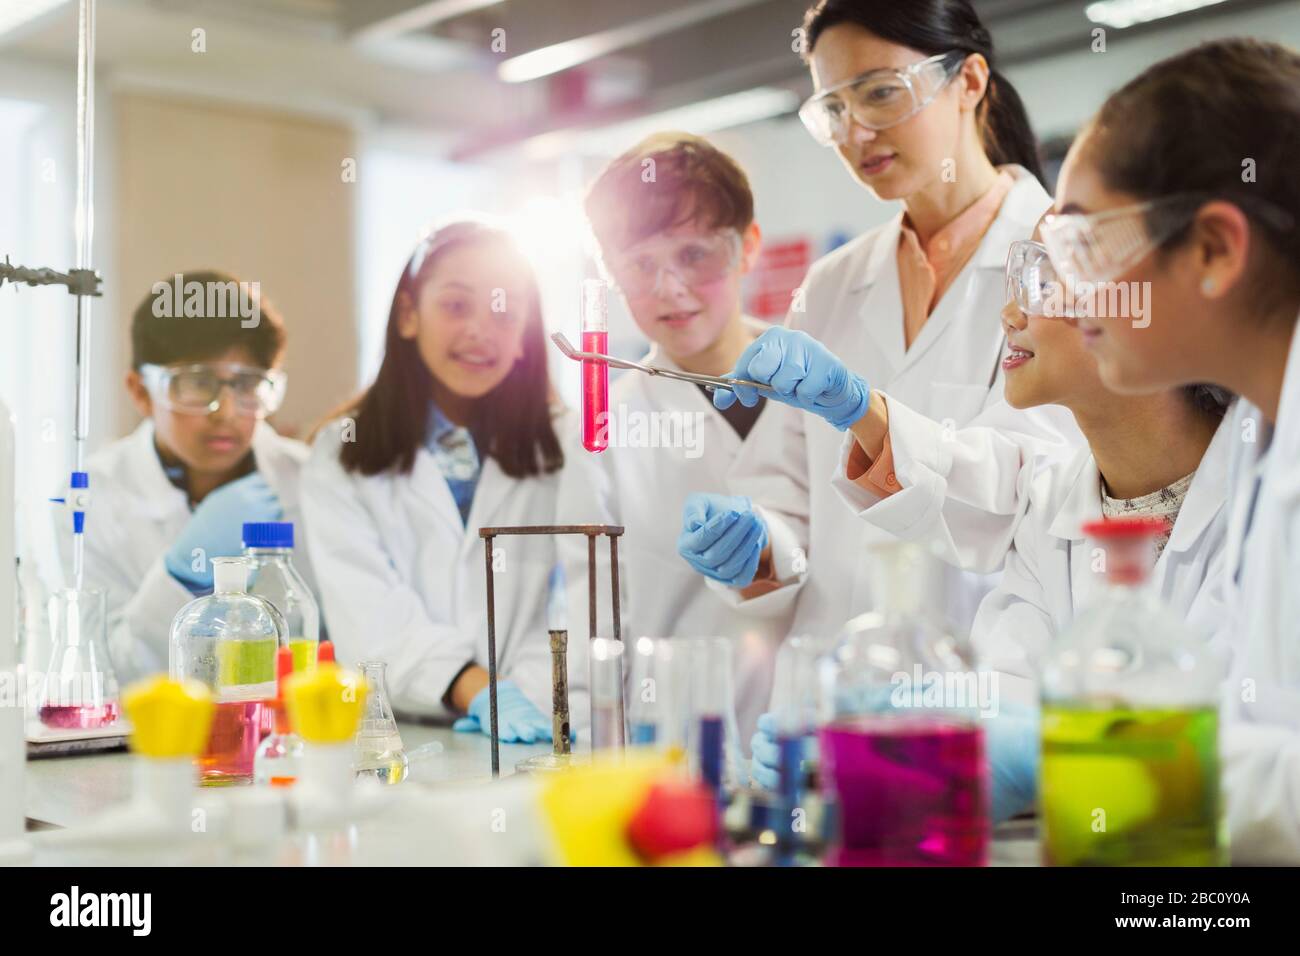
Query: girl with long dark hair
column 458, row 431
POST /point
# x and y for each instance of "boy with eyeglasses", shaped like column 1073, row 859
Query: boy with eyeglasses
column 176, row 492
column 674, row 220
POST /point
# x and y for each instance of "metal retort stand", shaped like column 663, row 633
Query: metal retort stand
column 560, row 704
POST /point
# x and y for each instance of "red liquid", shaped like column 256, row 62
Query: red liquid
column 79, row 718
column 595, row 394
column 911, row 791
column 232, row 743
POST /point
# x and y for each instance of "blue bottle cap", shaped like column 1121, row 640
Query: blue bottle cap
column 268, row 534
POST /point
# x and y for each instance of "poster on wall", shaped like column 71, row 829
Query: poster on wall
column 770, row 285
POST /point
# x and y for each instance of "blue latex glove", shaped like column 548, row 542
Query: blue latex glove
column 216, row 528
column 518, row 721
column 765, row 767
column 801, row 372
column 722, row 537
column 1011, row 740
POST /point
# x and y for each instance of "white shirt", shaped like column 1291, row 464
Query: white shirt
column 403, row 578
column 951, row 373
column 1260, row 736
column 979, row 502
column 135, row 516
column 644, row 488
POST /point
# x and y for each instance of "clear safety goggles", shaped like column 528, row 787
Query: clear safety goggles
column 1032, row 281
column 695, row 261
column 196, row 389
column 879, row 99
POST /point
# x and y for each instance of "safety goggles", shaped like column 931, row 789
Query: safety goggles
column 1032, row 282
column 196, row 389
column 879, row 99
column 695, row 261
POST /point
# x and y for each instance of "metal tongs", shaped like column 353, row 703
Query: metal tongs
column 708, row 381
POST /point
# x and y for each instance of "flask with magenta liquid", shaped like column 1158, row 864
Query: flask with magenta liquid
column 595, row 375
column 229, row 641
column 1130, row 761
column 80, row 689
column 903, row 766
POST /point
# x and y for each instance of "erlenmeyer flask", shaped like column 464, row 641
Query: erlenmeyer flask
column 378, row 750
column 80, row 688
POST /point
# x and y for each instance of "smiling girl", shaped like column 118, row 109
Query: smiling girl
column 457, row 432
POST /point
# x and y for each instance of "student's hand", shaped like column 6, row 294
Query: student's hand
column 216, row 529
column 765, row 767
column 801, row 372
column 518, row 721
column 722, row 537
column 1011, row 740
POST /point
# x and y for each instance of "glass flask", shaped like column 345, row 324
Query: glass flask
column 900, row 752
column 79, row 690
column 268, row 546
column 228, row 641
column 1130, row 765
column 278, row 760
column 377, row 751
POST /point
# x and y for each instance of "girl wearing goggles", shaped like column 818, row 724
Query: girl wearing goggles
column 1185, row 182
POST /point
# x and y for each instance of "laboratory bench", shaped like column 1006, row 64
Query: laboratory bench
column 65, row 790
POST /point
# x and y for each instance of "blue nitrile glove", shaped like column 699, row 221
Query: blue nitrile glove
column 765, row 768
column 216, row 529
column 722, row 537
column 1011, row 741
column 518, row 721
column 801, row 372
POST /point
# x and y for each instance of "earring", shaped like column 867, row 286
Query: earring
column 1207, row 286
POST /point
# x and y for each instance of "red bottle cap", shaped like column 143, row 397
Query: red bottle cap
column 325, row 652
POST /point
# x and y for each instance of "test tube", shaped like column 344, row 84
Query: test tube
column 595, row 375
column 607, row 729
column 649, row 689
column 712, row 710
column 794, row 709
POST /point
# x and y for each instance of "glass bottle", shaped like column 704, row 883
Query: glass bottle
column 278, row 760
column 1130, row 767
column 79, row 691
column 377, row 750
column 268, row 546
column 228, row 641
column 900, row 758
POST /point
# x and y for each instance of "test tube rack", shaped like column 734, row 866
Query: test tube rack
column 592, row 532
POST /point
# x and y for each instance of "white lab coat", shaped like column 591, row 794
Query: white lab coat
column 403, row 579
column 135, row 516
column 977, row 502
column 951, row 373
column 1260, row 736
column 644, row 489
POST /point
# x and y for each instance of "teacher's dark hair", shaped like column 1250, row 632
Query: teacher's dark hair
column 940, row 26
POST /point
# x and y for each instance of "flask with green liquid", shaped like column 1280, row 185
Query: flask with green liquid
column 268, row 546
column 1130, row 760
column 228, row 641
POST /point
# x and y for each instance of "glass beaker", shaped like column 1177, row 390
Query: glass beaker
column 228, row 640
column 902, row 762
column 268, row 546
column 377, row 750
column 79, row 690
column 704, row 694
column 650, row 687
column 1130, row 722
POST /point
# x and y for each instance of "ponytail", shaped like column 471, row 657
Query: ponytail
column 941, row 26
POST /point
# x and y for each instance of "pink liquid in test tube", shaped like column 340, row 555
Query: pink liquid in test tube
column 595, row 375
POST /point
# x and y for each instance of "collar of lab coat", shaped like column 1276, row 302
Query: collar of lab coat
column 160, row 497
column 1016, row 219
column 1205, row 497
